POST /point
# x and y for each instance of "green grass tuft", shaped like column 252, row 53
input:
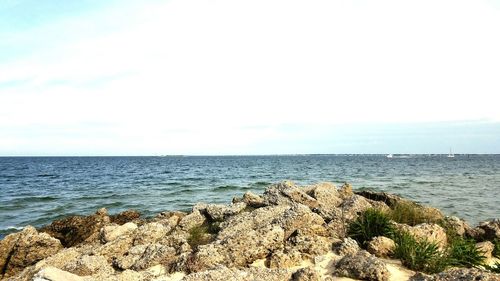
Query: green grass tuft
column 412, row 214
column 419, row 255
column 496, row 249
column 495, row 268
column 463, row 252
column 370, row 224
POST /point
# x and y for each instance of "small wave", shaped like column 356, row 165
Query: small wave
column 227, row 187
column 261, row 183
column 47, row 176
column 10, row 227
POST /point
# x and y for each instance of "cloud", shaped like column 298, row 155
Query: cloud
column 209, row 67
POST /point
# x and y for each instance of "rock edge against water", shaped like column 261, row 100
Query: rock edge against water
column 287, row 233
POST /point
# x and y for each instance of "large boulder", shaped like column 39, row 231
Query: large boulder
column 362, row 265
column 74, row 230
column 110, row 232
column 218, row 212
column 458, row 274
column 22, row 249
column 347, row 246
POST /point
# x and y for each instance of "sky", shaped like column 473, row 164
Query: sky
column 232, row 77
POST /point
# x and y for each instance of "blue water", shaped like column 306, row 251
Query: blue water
column 37, row 190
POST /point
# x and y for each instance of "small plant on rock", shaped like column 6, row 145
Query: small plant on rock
column 496, row 249
column 203, row 234
column 463, row 252
column 419, row 255
column 370, row 224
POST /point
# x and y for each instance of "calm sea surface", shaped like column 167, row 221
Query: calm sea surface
column 37, row 190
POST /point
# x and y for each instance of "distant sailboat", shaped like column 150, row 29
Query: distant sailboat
column 389, row 156
column 451, row 155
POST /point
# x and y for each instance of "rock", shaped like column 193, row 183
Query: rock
column 287, row 193
column 239, row 250
column 152, row 255
column 362, row 266
column 115, row 248
column 111, row 232
column 486, row 248
column 489, row 230
column 125, row 216
column 244, row 274
column 284, row 259
column 390, row 199
column 347, row 246
column 219, row 212
column 22, row 249
column 432, row 232
column 89, row 265
column 354, row 206
column 74, row 230
column 345, row 191
column 457, row 225
column 150, row 233
column 192, row 220
column 314, row 245
column 306, row 274
column 458, row 274
column 300, row 217
column 253, row 200
column 326, row 194
column 381, row 246
column 56, row 274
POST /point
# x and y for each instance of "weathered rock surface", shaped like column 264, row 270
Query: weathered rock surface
column 362, row 265
column 22, row 249
column 381, row 246
column 287, row 193
column 347, row 246
column 247, row 274
column 486, row 248
column 74, row 230
column 125, row 216
column 432, row 232
column 110, row 232
column 488, row 230
column 458, row 274
column 306, row 274
column 218, row 212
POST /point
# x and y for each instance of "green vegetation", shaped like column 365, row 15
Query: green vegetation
column 496, row 249
column 203, row 234
column 411, row 213
column 463, row 252
column 494, row 268
column 419, row 255
column 370, row 224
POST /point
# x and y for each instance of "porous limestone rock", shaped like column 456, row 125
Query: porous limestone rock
column 381, row 246
column 311, row 244
column 431, row 232
column 253, row 200
column 489, row 230
column 362, row 265
column 55, row 274
column 347, row 246
column 306, row 274
column 192, row 220
column 244, row 274
column 353, row 206
column 457, row 225
column 110, row 232
column 286, row 193
column 300, row 217
column 486, row 248
column 284, row 258
column 74, row 230
column 458, row 274
column 218, row 212
column 125, row 216
column 89, row 265
column 22, row 249
column 150, row 233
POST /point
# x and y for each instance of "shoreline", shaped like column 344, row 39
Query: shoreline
column 287, row 233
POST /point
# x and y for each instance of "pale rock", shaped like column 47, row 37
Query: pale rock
column 486, row 248
column 284, row 259
column 347, row 246
column 381, row 246
column 306, row 274
column 150, row 233
column 362, row 265
column 218, row 212
column 299, row 216
column 353, row 206
column 458, row 274
column 253, row 200
column 111, row 232
column 89, row 265
column 314, row 245
column 286, row 193
column 22, row 249
column 192, row 220
column 55, row 274
column 431, row 232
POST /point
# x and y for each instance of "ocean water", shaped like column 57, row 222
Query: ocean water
column 37, row 190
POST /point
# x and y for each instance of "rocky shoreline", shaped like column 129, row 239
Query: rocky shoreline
column 316, row 232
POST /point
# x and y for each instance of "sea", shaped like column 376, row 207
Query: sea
column 37, row 190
